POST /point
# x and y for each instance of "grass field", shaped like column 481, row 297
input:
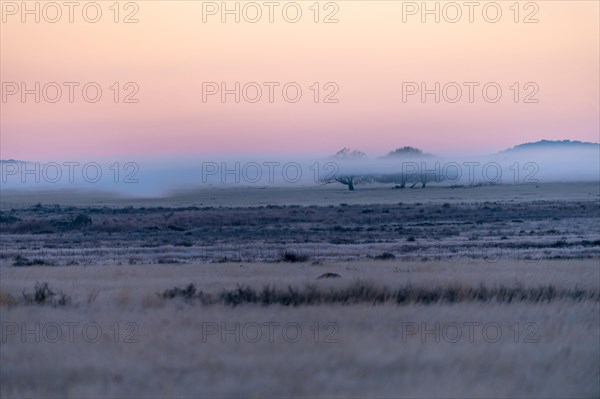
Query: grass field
column 149, row 345
column 346, row 321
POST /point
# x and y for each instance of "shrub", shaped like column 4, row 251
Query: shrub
column 43, row 295
column 292, row 257
column 188, row 293
column 385, row 256
column 186, row 244
column 328, row 275
column 21, row 261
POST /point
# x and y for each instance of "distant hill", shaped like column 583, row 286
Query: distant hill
column 554, row 144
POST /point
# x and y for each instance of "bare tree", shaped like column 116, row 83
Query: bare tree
column 400, row 179
column 350, row 180
column 349, row 154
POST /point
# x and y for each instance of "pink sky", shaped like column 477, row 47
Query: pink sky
column 170, row 52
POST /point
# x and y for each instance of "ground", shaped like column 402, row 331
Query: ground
column 409, row 324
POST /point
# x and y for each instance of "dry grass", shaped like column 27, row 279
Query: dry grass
column 360, row 349
column 386, row 327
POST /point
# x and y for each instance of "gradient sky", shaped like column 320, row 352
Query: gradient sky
column 369, row 53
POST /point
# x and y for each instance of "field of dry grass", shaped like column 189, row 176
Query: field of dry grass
column 490, row 291
column 129, row 339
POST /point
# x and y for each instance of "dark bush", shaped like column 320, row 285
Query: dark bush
column 43, row 295
column 385, row 256
column 183, row 244
column 188, row 293
column 21, row 261
column 292, row 257
column 328, row 275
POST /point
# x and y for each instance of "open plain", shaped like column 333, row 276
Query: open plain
column 490, row 291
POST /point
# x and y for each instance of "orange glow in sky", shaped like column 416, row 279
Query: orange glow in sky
column 364, row 66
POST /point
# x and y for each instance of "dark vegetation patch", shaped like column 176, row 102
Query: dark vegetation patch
column 8, row 219
column 43, row 295
column 385, row 256
column 21, row 261
column 293, row 257
column 328, row 275
column 365, row 293
column 186, row 293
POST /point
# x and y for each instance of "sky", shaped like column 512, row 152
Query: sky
column 365, row 69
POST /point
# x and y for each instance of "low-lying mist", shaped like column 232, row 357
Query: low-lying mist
column 159, row 177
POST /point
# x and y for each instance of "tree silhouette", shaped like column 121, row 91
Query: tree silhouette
column 350, row 180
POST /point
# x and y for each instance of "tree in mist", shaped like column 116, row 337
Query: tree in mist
column 400, row 179
column 348, row 154
column 350, row 179
column 407, row 152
